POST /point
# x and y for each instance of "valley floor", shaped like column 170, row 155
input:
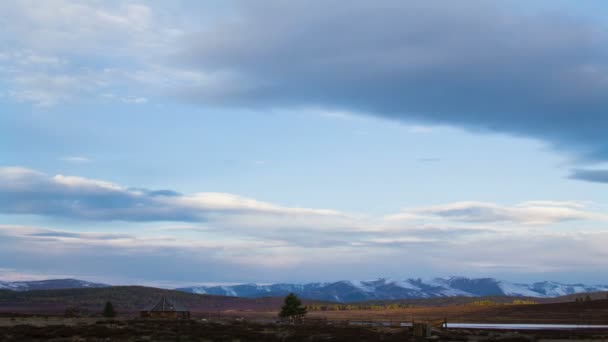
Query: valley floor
column 36, row 324
column 89, row 329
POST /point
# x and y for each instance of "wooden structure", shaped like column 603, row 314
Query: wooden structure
column 422, row 329
column 425, row 328
column 165, row 309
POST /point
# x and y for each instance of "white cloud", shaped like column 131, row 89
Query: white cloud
column 43, row 89
column 135, row 100
column 530, row 213
column 263, row 224
column 27, row 191
column 61, row 25
column 84, row 198
column 236, row 235
column 65, row 49
column 82, row 184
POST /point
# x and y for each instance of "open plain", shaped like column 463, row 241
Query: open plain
column 39, row 316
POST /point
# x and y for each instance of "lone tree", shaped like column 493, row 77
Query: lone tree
column 108, row 310
column 292, row 309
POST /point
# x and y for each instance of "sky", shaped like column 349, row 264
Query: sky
column 197, row 142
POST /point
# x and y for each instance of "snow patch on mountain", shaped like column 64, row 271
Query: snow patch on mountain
column 511, row 289
column 388, row 289
column 362, row 285
column 51, row 284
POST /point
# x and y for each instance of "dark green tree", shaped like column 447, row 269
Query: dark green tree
column 108, row 310
column 292, row 309
column 587, row 298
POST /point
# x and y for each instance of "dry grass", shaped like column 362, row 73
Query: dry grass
column 68, row 329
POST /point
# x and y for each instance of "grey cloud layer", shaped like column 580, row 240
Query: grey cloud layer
column 489, row 66
column 511, row 253
column 475, row 64
column 598, row 176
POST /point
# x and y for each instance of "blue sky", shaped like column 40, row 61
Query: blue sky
column 205, row 142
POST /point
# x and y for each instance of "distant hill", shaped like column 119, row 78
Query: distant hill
column 131, row 299
column 444, row 290
column 125, row 299
column 385, row 289
column 51, row 284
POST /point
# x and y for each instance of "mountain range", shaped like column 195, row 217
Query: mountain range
column 386, row 289
column 50, row 284
column 353, row 291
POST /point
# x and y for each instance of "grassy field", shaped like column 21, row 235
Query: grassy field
column 58, row 329
column 593, row 312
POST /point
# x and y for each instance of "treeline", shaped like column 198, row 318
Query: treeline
column 397, row 306
column 349, row 307
column 514, row 302
column 587, row 298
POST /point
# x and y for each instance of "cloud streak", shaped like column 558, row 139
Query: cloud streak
column 528, row 213
column 51, row 251
column 25, row 191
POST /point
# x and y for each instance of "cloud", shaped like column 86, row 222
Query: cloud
column 79, row 26
column 223, row 222
column 237, row 239
column 63, row 51
column 133, row 257
column 24, row 191
column 538, row 72
column 135, row 100
column 496, row 69
column 597, row 176
column 532, row 213
column 75, row 159
column 145, row 258
column 45, row 89
column 60, row 235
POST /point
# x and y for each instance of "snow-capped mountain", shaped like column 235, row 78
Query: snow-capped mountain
column 51, row 284
column 386, row 289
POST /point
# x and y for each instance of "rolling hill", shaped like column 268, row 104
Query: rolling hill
column 126, row 299
column 50, row 284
